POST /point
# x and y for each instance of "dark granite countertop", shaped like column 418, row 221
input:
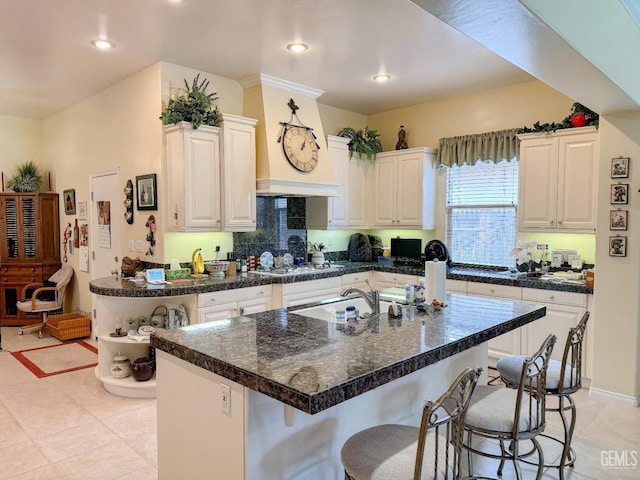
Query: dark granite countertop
column 118, row 287
column 313, row 365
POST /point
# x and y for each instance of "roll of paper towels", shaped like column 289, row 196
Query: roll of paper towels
column 435, row 281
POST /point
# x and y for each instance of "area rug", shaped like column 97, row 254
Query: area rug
column 56, row 359
column 493, row 377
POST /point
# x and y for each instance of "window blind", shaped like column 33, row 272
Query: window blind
column 481, row 219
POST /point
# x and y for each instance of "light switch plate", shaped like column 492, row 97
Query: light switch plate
column 139, row 246
column 132, row 245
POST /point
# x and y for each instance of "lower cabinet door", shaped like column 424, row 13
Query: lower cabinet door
column 559, row 319
column 217, row 312
column 248, row 307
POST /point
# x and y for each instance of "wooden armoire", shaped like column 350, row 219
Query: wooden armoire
column 29, row 248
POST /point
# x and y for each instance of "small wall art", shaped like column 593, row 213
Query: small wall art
column 147, row 195
column 82, row 210
column 619, row 193
column 620, row 167
column 69, row 197
column 617, row 246
column 618, row 219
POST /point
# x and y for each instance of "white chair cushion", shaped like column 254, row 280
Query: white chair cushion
column 510, row 369
column 387, row 452
column 493, row 408
column 41, row 306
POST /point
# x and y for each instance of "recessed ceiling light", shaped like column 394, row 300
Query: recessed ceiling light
column 102, row 44
column 382, row 77
column 297, row 47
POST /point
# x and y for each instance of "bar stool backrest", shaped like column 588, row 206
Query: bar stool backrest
column 572, row 358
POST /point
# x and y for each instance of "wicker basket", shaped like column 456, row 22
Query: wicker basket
column 69, row 325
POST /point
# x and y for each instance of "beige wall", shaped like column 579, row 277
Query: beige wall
column 335, row 119
column 20, row 142
column 616, row 366
column 507, row 107
column 116, row 129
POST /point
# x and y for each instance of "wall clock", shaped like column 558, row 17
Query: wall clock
column 299, row 142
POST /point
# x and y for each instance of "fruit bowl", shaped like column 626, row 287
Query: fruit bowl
column 216, row 269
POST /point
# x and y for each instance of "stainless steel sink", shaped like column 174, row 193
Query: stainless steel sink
column 326, row 309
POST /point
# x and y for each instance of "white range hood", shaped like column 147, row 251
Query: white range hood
column 266, row 99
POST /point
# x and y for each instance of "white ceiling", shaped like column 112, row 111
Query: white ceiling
column 47, row 62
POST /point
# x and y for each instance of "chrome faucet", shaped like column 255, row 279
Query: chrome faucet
column 372, row 298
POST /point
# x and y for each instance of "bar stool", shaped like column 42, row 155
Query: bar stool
column 511, row 415
column 401, row 451
column 563, row 378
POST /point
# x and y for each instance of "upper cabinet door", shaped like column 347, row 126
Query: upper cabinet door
column 193, row 178
column 577, row 182
column 238, row 173
column 538, row 183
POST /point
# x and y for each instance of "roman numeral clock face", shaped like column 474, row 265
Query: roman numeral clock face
column 300, row 148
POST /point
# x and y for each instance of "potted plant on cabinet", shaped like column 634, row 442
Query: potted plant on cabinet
column 27, row 179
column 196, row 106
column 365, row 143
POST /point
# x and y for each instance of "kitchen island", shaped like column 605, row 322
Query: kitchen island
column 276, row 394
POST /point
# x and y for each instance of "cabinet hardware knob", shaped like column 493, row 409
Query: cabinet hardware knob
column 492, row 290
column 552, row 297
column 551, row 222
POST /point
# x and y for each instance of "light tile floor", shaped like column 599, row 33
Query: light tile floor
column 68, row 427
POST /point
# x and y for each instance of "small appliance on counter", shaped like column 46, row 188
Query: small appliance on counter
column 407, row 251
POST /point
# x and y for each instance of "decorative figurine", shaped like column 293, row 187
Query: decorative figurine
column 402, row 139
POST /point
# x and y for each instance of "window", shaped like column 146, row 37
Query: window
column 482, row 212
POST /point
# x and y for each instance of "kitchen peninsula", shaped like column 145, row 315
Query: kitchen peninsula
column 275, row 394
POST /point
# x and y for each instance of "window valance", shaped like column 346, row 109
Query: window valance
column 491, row 146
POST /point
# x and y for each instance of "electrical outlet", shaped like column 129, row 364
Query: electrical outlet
column 139, row 246
column 132, row 245
column 225, row 398
column 330, row 241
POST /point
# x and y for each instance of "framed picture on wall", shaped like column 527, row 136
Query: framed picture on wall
column 618, row 219
column 69, row 198
column 617, row 246
column 620, row 167
column 619, row 193
column 147, row 194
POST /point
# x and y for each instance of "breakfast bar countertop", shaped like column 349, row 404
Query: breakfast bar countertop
column 313, row 364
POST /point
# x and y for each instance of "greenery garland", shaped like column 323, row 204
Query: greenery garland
column 197, row 107
column 592, row 118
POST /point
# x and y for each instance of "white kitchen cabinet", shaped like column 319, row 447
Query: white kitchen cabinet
column 356, row 280
column 299, row 293
column 510, row 342
column 564, row 311
column 238, row 173
column 193, row 178
column 558, row 181
column 404, row 189
column 225, row 304
column 384, row 280
column 348, row 208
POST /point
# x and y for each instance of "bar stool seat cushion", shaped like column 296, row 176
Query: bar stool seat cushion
column 385, row 452
column 510, row 368
column 491, row 408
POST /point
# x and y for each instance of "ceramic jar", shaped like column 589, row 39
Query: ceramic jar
column 143, row 368
column 120, row 366
column 317, row 258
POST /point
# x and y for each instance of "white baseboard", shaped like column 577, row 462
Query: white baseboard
column 606, row 395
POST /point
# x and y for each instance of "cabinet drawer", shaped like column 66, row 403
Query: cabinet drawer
column 491, row 290
column 21, row 270
column 458, row 286
column 395, row 279
column 234, row 295
column 20, row 279
column 354, row 278
column 556, row 297
column 312, row 285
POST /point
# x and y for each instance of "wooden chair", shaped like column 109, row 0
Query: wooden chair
column 511, row 415
column 563, row 379
column 46, row 298
column 431, row 451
